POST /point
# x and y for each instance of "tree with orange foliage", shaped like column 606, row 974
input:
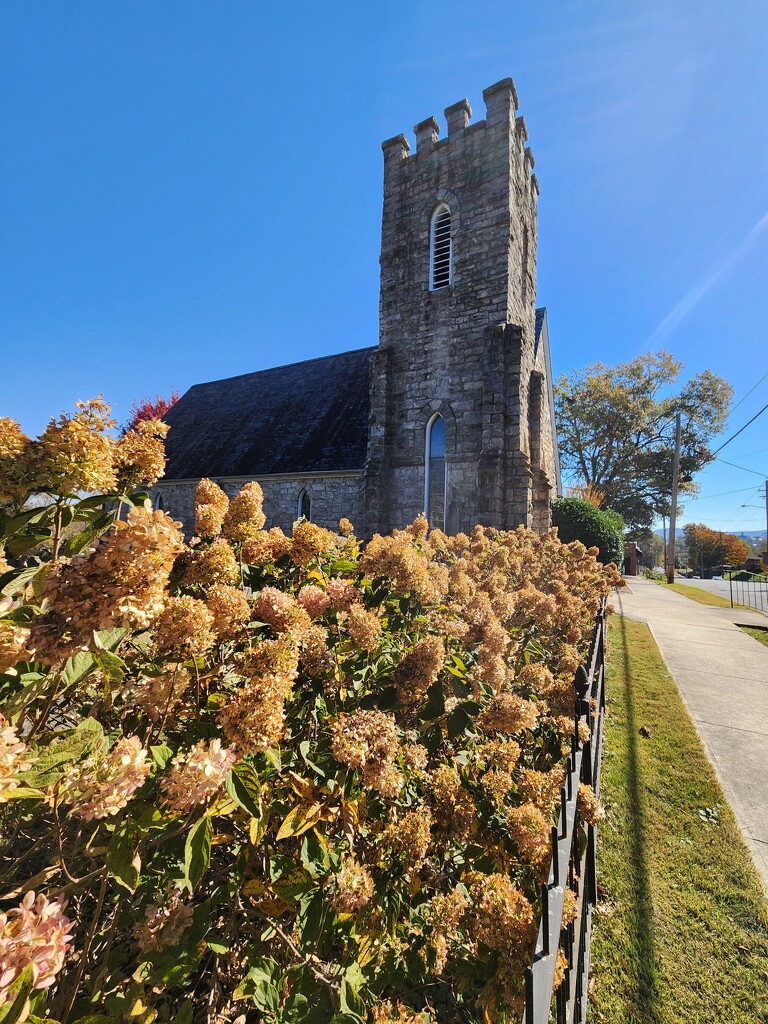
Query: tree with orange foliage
column 710, row 547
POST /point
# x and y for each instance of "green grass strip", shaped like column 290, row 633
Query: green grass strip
column 761, row 635
column 700, row 596
column 681, row 936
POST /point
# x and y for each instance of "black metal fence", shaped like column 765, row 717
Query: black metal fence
column 749, row 589
column 573, row 862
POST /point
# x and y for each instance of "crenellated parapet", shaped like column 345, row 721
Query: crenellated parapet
column 501, row 104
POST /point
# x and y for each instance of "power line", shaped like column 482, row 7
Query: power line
column 720, row 494
column 733, row 465
column 749, row 392
column 734, row 436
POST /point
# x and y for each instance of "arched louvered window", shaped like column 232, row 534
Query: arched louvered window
column 440, row 249
column 435, row 474
column 304, row 505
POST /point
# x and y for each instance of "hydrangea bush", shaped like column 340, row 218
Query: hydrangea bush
column 259, row 777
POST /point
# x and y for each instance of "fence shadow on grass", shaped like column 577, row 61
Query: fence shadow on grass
column 646, row 969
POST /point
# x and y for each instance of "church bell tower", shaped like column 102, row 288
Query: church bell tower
column 457, row 389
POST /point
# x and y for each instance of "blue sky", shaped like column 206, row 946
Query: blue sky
column 191, row 190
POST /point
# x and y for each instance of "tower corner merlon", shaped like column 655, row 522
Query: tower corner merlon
column 500, row 102
column 396, row 149
column 427, row 133
column 457, row 116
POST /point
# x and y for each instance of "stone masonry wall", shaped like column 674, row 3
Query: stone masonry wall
column 465, row 351
column 331, row 498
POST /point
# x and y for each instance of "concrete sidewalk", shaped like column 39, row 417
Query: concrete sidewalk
column 722, row 674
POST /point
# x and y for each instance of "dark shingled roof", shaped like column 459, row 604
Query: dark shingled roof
column 541, row 312
column 303, row 418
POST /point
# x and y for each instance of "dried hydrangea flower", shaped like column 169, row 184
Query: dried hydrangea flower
column 103, row 784
column 13, row 640
column 75, row 453
column 196, row 775
column 14, row 758
column 245, row 516
column 410, row 837
column 184, row 628
column 230, row 609
column 139, row 455
column 266, row 546
column 342, row 594
column 508, row 713
column 502, row 918
column 309, row 541
column 16, row 472
column 313, row 600
column 364, row 627
column 345, row 527
column 158, row 695
column 419, row 669
column 364, row 737
column 353, row 888
column 211, row 505
column 38, row 934
column 590, row 808
column 164, row 924
column 254, row 719
column 316, row 657
column 213, row 563
column 282, row 612
column 530, row 831
column 121, row 583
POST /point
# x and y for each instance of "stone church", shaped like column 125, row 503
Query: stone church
column 452, row 412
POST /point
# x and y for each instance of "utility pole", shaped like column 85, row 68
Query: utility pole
column 673, row 511
column 766, row 523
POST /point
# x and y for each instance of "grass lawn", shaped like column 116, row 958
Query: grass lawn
column 758, row 634
column 681, row 935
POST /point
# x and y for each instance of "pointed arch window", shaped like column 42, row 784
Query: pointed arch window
column 436, row 474
column 440, row 249
column 304, row 505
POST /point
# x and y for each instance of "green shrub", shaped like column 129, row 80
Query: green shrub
column 577, row 519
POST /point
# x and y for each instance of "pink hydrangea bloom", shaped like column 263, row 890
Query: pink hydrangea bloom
column 197, row 775
column 103, row 785
column 38, row 933
column 314, row 600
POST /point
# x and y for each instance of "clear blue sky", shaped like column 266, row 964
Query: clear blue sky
column 191, row 190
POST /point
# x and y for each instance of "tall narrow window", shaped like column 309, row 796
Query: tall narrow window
column 304, row 505
column 436, row 474
column 440, row 249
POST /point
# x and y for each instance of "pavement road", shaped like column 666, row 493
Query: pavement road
column 754, row 595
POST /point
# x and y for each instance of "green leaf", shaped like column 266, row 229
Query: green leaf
column 161, row 754
column 310, row 919
column 123, row 860
column 61, row 750
column 197, row 852
column 77, row 668
column 184, row 1016
column 15, row 580
column 114, row 668
column 34, row 685
column 15, row 1009
column 98, row 525
column 243, row 786
column 216, row 947
column 261, row 984
column 24, row 542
